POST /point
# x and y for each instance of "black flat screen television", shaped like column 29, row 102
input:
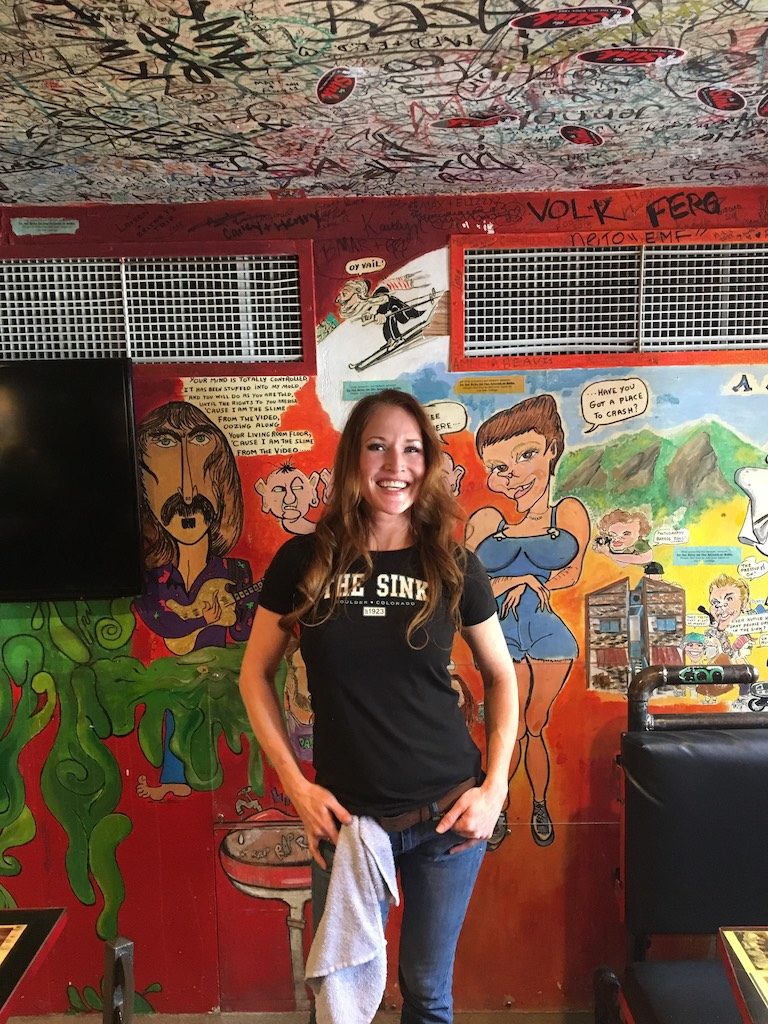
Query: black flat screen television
column 69, row 505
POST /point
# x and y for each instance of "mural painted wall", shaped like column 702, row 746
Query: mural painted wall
column 620, row 512
column 186, row 100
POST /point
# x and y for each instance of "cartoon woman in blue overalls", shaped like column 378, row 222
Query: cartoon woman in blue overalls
column 529, row 551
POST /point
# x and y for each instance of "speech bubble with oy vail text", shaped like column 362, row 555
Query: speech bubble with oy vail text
column 612, row 401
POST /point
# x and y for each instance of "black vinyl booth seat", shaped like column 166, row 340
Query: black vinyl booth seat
column 695, row 831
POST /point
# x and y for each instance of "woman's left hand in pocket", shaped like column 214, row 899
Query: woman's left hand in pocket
column 473, row 816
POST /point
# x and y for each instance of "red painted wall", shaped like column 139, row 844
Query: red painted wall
column 397, row 229
column 195, row 934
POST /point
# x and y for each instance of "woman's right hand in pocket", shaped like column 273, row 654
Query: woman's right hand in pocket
column 321, row 814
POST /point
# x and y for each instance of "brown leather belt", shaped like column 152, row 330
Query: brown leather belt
column 431, row 812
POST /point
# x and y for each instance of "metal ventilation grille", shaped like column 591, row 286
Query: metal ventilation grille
column 214, row 309
column 169, row 309
column 54, row 308
column 707, row 295
column 576, row 301
column 539, row 301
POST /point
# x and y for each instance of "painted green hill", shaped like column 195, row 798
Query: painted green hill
column 693, row 468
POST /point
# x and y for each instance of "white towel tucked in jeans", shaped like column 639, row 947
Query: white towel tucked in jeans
column 347, row 964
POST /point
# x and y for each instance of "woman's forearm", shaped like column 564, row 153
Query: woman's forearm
column 501, row 716
column 497, row 671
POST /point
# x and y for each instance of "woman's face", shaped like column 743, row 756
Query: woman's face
column 391, row 461
column 519, row 467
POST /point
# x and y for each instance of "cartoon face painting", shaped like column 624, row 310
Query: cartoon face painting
column 694, row 648
column 519, row 468
column 725, row 602
column 176, row 481
column 624, row 536
column 288, row 494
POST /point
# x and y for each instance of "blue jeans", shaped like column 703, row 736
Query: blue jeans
column 435, row 887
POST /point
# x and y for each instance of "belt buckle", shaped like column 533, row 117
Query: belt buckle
column 433, row 813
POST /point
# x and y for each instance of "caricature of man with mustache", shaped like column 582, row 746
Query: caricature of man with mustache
column 192, row 516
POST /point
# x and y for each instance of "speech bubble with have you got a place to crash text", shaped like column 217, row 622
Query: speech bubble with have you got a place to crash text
column 613, row 401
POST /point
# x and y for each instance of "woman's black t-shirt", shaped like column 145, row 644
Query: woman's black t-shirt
column 388, row 732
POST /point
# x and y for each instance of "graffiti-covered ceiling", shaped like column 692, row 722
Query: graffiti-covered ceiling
column 187, row 100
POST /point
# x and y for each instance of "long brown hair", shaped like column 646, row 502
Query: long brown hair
column 341, row 538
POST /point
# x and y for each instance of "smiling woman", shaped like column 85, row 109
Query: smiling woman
column 377, row 594
column 391, row 471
